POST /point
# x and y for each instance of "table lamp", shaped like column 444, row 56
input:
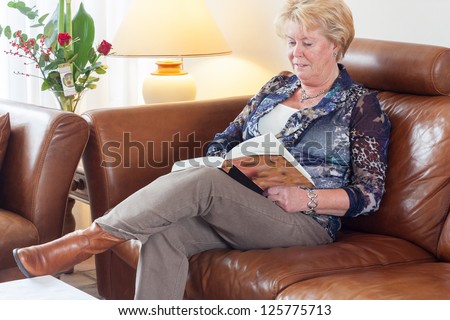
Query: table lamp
column 169, row 29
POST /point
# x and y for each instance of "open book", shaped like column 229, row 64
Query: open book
column 258, row 163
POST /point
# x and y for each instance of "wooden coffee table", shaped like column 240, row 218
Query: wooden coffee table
column 41, row 288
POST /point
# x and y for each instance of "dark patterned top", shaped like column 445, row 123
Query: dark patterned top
column 342, row 142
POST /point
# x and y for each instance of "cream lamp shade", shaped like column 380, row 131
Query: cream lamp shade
column 169, row 29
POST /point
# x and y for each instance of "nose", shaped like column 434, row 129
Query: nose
column 297, row 51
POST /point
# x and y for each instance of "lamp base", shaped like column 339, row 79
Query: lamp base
column 169, row 83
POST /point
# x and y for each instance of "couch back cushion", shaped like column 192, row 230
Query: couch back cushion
column 400, row 67
column 417, row 199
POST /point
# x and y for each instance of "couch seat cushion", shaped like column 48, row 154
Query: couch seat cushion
column 263, row 274
column 15, row 232
column 418, row 281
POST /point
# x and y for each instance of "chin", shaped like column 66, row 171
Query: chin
column 300, row 75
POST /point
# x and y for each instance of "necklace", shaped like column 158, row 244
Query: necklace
column 305, row 96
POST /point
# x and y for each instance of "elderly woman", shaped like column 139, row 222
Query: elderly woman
column 333, row 126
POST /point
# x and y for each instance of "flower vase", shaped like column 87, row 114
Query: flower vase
column 67, row 103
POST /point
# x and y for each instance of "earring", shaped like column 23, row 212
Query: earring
column 334, row 54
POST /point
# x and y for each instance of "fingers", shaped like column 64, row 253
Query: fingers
column 273, row 194
column 272, row 191
column 272, row 197
column 282, row 197
column 277, row 199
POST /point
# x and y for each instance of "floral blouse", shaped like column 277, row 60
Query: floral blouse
column 342, row 142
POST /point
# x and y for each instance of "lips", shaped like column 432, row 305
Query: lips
column 295, row 62
column 300, row 66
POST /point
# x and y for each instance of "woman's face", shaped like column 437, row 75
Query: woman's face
column 311, row 55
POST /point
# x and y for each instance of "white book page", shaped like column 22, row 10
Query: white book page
column 264, row 144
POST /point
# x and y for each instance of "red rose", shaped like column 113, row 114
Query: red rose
column 104, row 47
column 64, row 38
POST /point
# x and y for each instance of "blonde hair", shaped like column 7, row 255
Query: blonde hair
column 333, row 17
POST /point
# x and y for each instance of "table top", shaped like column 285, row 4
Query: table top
column 41, row 288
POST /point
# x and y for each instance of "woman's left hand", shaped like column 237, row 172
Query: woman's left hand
column 290, row 199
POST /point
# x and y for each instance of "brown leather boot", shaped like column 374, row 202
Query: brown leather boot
column 59, row 255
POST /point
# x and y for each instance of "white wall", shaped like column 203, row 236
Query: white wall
column 415, row 21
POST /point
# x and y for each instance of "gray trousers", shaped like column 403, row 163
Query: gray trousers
column 190, row 211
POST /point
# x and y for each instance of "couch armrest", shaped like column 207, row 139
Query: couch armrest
column 130, row 147
column 44, row 149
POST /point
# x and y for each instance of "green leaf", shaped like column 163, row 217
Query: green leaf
column 92, row 67
column 100, row 70
column 93, row 79
column 60, row 53
column 92, row 55
column 51, row 66
column 91, row 86
column 41, row 19
column 54, row 76
column 76, row 75
column 8, row 32
column 1, row 30
column 45, row 85
column 42, row 61
column 16, row 4
column 83, row 28
column 32, row 15
column 51, row 30
column 36, row 25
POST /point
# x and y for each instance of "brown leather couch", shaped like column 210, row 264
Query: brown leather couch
column 401, row 252
column 44, row 149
